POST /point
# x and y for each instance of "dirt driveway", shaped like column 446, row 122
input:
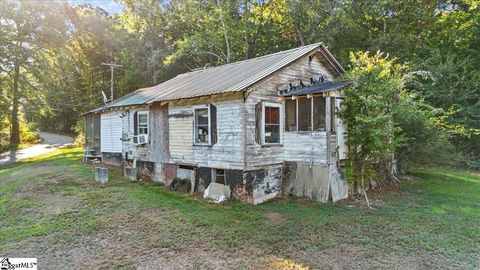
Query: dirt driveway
column 50, row 142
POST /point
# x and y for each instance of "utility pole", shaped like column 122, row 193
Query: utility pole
column 112, row 67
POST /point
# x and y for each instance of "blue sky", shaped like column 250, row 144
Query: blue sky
column 108, row 5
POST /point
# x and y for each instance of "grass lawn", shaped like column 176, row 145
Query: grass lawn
column 52, row 209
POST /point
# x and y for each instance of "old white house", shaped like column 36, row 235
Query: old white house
column 263, row 126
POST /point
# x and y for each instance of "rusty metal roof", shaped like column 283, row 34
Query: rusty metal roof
column 231, row 77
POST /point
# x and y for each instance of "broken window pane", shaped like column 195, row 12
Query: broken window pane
column 318, row 113
column 201, row 126
column 290, row 115
column 272, row 125
column 304, row 114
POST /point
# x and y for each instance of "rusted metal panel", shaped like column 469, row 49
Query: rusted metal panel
column 169, row 172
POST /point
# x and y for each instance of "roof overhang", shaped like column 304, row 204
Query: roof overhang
column 324, row 87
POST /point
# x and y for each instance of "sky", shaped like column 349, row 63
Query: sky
column 109, row 6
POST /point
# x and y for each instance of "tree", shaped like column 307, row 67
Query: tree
column 29, row 31
column 368, row 110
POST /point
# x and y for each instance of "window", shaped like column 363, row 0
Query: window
column 271, row 123
column 304, row 114
column 318, row 113
column 141, row 123
column 219, row 176
column 290, row 115
column 202, row 126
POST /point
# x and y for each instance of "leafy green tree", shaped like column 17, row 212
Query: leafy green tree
column 29, row 31
column 368, row 110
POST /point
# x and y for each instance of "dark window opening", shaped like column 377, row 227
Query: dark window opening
column 319, row 113
column 202, row 127
column 290, row 115
column 220, row 176
column 304, row 114
column 272, row 124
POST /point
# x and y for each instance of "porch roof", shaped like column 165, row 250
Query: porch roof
column 324, row 87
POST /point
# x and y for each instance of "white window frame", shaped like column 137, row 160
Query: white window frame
column 138, row 122
column 209, row 124
column 280, row 122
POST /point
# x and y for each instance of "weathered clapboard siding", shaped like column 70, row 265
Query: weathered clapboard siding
column 227, row 152
column 128, row 129
column 158, row 124
column 111, row 132
column 118, row 124
column 258, row 156
column 306, row 147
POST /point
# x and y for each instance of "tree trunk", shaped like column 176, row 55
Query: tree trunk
column 225, row 34
column 245, row 30
column 15, row 126
column 300, row 35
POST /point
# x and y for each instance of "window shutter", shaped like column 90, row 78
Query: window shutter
column 135, row 123
column 213, row 123
column 258, row 123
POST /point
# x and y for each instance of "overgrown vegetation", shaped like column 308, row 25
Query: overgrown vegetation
column 50, row 64
column 52, row 203
column 368, row 111
column 28, row 136
column 390, row 124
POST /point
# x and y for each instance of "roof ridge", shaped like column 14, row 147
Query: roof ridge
column 252, row 59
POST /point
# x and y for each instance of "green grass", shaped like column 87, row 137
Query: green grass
column 435, row 215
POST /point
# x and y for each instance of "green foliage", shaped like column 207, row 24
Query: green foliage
column 368, row 111
column 435, row 216
column 156, row 40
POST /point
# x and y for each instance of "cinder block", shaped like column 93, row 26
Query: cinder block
column 101, row 175
column 130, row 173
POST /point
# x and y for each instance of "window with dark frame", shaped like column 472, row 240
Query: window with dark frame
column 202, row 126
column 220, row 176
column 271, row 124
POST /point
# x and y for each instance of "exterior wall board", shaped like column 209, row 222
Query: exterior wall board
column 308, row 147
column 226, row 153
column 258, row 156
column 111, row 132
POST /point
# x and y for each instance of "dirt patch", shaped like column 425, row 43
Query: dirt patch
column 58, row 204
column 274, row 216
